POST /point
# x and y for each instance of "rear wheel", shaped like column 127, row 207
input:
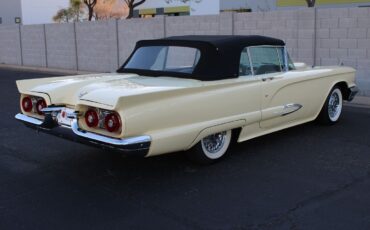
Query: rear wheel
column 332, row 109
column 211, row 148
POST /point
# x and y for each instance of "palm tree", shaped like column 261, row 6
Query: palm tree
column 72, row 13
column 63, row 15
column 76, row 8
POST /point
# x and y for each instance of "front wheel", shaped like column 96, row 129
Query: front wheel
column 211, row 148
column 333, row 106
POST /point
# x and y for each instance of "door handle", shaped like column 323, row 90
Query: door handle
column 267, row 78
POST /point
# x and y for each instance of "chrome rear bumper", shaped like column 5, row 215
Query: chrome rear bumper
column 136, row 146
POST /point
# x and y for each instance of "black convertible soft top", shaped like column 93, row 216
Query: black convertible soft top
column 220, row 54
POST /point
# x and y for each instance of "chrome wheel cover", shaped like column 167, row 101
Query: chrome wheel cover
column 335, row 105
column 213, row 143
column 214, row 146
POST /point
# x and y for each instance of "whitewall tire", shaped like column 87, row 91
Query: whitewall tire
column 335, row 105
column 211, row 148
column 332, row 109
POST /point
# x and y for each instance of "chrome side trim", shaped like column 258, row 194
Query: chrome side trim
column 108, row 140
column 28, row 119
column 280, row 60
column 250, row 61
column 286, row 59
column 291, row 108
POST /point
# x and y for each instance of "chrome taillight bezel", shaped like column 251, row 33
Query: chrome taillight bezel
column 103, row 116
column 114, row 118
column 40, row 105
column 93, row 114
column 27, row 104
column 36, row 102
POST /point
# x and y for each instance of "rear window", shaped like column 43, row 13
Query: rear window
column 165, row 58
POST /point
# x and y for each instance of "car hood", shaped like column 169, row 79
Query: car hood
column 103, row 89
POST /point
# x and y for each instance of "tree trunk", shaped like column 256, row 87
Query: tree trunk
column 131, row 6
column 91, row 13
column 311, row 3
column 130, row 12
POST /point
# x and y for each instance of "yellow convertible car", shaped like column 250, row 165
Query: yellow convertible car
column 188, row 93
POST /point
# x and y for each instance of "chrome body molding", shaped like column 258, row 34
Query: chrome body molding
column 291, row 108
column 136, row 146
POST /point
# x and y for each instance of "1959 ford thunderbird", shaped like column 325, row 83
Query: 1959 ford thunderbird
column 196, row 93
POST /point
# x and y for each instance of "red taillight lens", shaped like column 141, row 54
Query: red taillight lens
column 91, row 118
column 41, row 104
column 27, row 104
column 112, row 122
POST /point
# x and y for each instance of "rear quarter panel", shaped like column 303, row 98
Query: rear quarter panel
column 177, row 119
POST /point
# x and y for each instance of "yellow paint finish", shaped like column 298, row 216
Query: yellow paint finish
column 150, row 11
column 179, row 9
column 176, row 113
column 284, row 3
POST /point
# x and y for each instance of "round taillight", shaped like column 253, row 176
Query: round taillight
column 112, row 122
column 91, row 118
column 40, row 105
column 27, row 104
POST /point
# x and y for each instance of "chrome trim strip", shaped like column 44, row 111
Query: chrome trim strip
column 28, row 119
column 250, row 61
column 286, row 59
column 108, row 140
column 280, row 60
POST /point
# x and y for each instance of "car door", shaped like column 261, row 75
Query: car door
column 250, row 90
column 278, row 105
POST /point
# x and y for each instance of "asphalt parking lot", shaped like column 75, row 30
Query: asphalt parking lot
column 307, row 177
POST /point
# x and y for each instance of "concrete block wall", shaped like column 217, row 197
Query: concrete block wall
column 97, row 46
column 313, row 36
column 343, row 37
column 306, row 36
column 10, row 45
column 279, row 24
column 131, row 31
column 33, row 45
column 199, row 25
column 61, row 46
column 296, row 28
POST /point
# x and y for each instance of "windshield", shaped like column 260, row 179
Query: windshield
column 165, row 58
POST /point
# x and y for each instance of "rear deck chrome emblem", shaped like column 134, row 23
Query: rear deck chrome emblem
column 82, row 94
